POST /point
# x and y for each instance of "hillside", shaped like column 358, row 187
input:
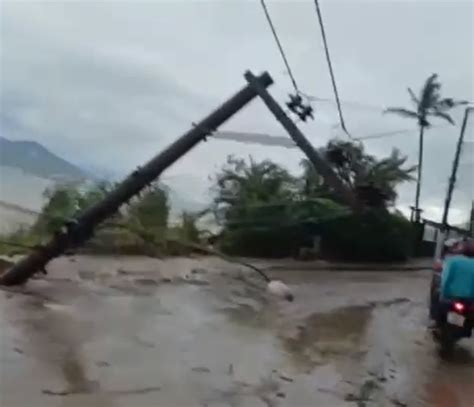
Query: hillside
column 35, row 159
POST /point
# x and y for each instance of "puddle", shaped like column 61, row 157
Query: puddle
column 324, row 336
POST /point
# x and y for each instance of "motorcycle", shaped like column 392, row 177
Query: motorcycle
column 453, row 317
column 455, row 321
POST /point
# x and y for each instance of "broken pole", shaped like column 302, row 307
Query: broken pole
column 319, row 163
column 76, row 232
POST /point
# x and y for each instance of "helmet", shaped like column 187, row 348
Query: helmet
column 452, row 242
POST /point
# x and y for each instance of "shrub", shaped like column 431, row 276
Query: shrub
column 375, row 235
column 268, row 241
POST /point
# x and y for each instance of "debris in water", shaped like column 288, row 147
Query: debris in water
column 388, row 303
column 55, row 393
column 399, row 403
column 144, row 390
column 201, row 369
column 145, row 281
column 144, row 343
column 286, row 378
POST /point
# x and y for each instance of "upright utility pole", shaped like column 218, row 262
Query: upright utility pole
column 451, row 184
column 77, row 231
column 320, row 164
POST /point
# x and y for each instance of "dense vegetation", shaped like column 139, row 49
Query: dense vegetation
column 142, row 227
column 262, row 211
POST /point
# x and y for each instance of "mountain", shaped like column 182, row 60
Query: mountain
column 35, row 159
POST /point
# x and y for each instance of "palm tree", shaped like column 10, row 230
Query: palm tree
column 428, row 104
column 240, row 182
column 373, row 180
column 381, row 177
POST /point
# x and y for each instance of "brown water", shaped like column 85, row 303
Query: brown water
column 117, row 332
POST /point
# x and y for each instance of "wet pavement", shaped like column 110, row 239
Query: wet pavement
column 203, row 333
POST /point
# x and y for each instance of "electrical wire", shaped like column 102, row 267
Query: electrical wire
column 394, row 133
column 280, row 47
column 282, row 141
column 384, row 134
column 331, row 71
column 348, row 103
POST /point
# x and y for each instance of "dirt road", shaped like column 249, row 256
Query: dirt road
column 202, row 333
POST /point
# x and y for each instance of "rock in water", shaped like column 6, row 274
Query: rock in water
column 280, row 289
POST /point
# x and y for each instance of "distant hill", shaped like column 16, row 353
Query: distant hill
column 35, row 159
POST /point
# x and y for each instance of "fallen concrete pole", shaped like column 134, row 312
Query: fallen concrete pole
column 80, row 229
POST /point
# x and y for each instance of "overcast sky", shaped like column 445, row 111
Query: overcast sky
column 107, row 83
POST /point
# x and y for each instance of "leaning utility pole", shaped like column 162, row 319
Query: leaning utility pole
column 454, row 171
column 80, row 229
column 452, row 183
column 301, row 141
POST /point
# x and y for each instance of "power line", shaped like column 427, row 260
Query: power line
column 349, row 103
column 331, row 71
column 384, row 134
column 280, row 47
column 393, row 133
column 282, row 141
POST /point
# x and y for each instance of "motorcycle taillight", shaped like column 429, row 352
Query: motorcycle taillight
column 459, row 307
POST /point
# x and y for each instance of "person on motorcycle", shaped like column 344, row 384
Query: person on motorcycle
column 454, row 276
column 457, row 277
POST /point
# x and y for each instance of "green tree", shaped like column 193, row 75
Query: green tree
column 428, row 104
column 241, row 187
column 151, row 210
column 94, row 193
column 374, row 180
column 65, row 201
column 252, row 204
column 264, row 210
column 62, row 203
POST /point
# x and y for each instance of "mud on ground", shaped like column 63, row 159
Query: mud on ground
column 103, row 331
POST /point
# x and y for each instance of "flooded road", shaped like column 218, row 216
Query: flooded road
column 202, row 333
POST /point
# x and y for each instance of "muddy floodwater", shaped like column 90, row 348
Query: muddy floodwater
column 139, row 332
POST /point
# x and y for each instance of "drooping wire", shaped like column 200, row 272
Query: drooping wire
column 331, row 71
column 392, row 133
column 280, row 47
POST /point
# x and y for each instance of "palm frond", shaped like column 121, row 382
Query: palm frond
column 449, row 103
column 402, row 112
column 430, row 92
column 414, row 98
column 444, row 116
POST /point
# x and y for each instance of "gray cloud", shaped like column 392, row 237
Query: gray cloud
column 110, row 83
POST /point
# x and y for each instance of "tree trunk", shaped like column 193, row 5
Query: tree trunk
column 420, row 168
